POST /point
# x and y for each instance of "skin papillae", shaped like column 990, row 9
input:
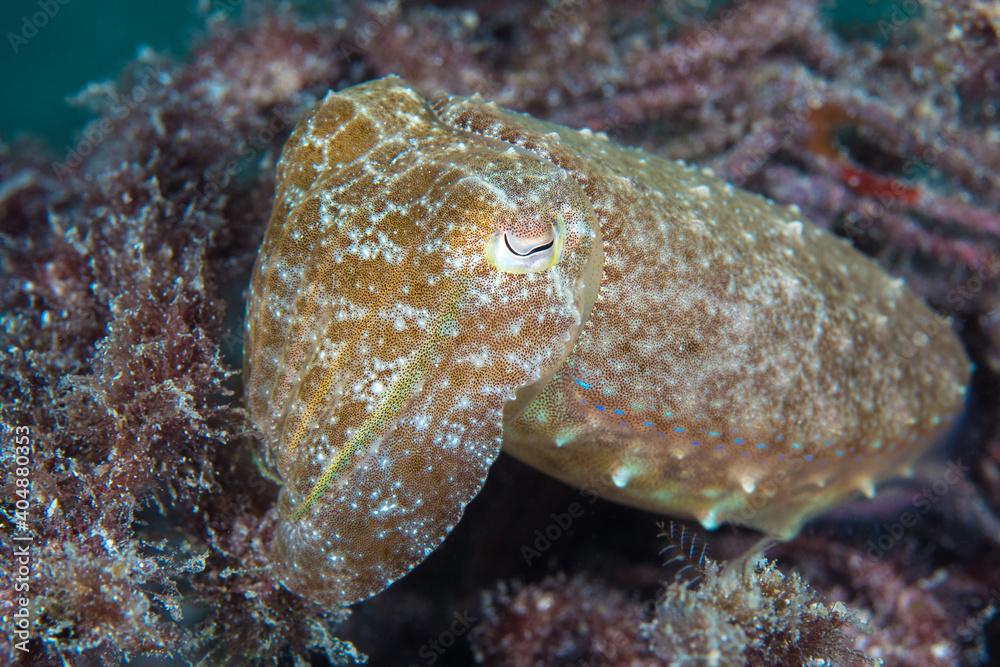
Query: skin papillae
column 688, row 347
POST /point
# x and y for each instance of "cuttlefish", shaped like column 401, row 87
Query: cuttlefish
column 442, row 278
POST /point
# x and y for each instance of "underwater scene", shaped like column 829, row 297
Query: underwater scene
column 508, row 333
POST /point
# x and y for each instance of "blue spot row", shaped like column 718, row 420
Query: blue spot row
column 712, row 434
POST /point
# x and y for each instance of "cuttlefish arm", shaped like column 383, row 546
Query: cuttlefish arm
column 442, row 278
column 409, row 289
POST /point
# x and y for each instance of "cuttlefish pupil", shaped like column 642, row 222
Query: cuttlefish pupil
column 512, row 253
column 444, row 278
column 532, row 251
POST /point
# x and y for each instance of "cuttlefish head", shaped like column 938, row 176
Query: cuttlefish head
column 398, row 312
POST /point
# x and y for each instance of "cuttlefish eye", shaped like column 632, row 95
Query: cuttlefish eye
column 511, row 252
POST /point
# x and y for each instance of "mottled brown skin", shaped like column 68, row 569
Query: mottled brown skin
column 440, row 278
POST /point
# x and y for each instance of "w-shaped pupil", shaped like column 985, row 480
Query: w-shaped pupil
column 540, row 248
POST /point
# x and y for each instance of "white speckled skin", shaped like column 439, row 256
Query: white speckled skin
column 690, row 348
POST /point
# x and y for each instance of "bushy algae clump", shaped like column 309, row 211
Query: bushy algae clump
column 742, row 613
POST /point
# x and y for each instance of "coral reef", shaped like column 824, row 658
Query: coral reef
column 124, row 262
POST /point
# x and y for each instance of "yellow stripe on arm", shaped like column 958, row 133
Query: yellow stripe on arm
column 326, row 381
column 391, row 406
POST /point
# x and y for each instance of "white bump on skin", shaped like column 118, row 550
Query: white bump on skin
column 709, row 520
column 621, row 476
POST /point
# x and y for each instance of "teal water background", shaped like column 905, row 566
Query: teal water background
column 50, row 49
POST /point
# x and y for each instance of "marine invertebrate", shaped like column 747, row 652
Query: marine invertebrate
column 442, row 277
